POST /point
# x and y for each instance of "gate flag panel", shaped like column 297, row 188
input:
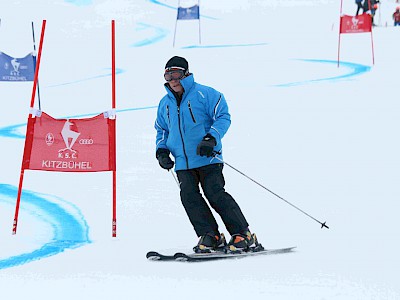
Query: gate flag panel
column 17, row 69
column 70, row 145
column 356, row 24
column 189, row 13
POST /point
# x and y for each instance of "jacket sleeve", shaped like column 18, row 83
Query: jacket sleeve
column 219, row 112
column 162, row 129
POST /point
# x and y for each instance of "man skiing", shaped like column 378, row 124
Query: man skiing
column 191, row 121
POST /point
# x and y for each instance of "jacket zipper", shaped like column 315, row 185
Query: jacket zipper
column 183, row 143
column 169, row 121
column 191, row 112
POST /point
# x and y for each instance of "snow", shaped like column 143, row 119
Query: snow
column 324, row 138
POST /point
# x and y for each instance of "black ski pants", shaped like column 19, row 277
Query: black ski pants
column 212, row 181
column 359, row 7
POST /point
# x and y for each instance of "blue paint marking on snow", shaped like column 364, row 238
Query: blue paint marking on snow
column 117, row 71
column 224, row 46
column 355, row 70
column 159, row 34
column 176, row 8
column 69, row 229
column 162, row 4
column 79, row 2
column 14, row 131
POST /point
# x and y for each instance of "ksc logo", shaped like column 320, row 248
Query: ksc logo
column 49, row 139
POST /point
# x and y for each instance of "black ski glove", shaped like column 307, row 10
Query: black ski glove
column 163, row 159
column 206, row 146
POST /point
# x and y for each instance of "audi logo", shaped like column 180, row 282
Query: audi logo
column 86, row 141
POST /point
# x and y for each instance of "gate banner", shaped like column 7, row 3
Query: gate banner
column 356, row 24
column 70, row 145
column 17, row 69
column 188, row 13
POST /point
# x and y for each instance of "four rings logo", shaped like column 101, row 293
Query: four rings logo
column 86, row 141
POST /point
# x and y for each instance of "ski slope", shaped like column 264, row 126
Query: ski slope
column 322, row 137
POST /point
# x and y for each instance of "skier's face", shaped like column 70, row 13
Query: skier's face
column 173, row 76
column 176, row 86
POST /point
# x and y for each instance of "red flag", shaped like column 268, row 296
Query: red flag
column 356, row 24
column 70, row 145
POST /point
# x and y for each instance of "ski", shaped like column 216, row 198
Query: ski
column 197, row 257
column 153, row 255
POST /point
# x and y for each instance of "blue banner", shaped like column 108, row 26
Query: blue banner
column 189, row 13
column 17, row 69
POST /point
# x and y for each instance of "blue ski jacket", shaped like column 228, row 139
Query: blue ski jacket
column 180, row 128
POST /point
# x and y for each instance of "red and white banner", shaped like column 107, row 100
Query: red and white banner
column 356, row 24
column 70, row 145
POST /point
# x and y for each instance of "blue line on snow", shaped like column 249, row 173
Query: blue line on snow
column 69, row 229
column 159, row 34
column 224, row 46
column 79, row 2
column 117, row 71
column 162, row 4
column 355, row 70
column 12, row 131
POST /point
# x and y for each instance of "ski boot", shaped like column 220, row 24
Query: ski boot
column 210, row 242
column 244, row 242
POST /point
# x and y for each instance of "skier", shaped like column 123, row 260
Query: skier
column 191, row 121
column 396, row 17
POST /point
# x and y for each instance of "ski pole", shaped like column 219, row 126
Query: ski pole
column 34, row 64
column 322, row 224
column 176, row 180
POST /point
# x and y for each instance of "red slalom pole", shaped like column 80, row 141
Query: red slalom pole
column 114, row 172
column 372, row 47
column 21, row 178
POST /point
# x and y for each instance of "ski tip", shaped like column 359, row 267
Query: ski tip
column 152, row 255
column 281, row 250
column 156, row 256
